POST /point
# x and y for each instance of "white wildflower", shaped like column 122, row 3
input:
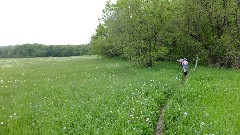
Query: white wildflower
column 147, row 120
column 202, row 123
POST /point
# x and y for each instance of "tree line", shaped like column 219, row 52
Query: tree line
column 40, row 50
column 146, row 31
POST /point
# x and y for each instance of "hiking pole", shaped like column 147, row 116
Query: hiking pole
column 196, row 63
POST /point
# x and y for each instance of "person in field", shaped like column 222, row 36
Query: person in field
column 184, row 65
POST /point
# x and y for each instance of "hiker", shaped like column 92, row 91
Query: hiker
column 185, row 67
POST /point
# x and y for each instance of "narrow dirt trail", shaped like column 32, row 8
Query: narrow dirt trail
column 159, row 130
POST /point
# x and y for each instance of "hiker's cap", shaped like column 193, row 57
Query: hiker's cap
column 184, row 58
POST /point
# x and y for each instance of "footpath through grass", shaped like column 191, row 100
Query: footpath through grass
column 90, row 95
column 207, row 104
column 81, row 95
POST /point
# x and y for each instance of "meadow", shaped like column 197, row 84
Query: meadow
column 80, row 95
column 207, row 104
column 91, row 95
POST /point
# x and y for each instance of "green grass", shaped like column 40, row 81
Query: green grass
column 81, row 95
column 208, row 103
column 90, row 95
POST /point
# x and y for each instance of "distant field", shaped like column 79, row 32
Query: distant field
column 91, row 95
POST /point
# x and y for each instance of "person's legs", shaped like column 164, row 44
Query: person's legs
column 185, row 74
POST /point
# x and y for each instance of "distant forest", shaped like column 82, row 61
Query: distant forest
column 40, row 50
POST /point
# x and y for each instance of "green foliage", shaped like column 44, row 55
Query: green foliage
column 137, row 30
column 133, row 29
column 39, row 50
column 211, row 25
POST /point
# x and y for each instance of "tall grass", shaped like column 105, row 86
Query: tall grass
column 207, row 104
column 90, row 95
column 81, row 95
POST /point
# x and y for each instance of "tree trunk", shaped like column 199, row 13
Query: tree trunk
column 150, row 60
column 150, row 63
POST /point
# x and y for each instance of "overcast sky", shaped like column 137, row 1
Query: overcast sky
column 49, row 22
